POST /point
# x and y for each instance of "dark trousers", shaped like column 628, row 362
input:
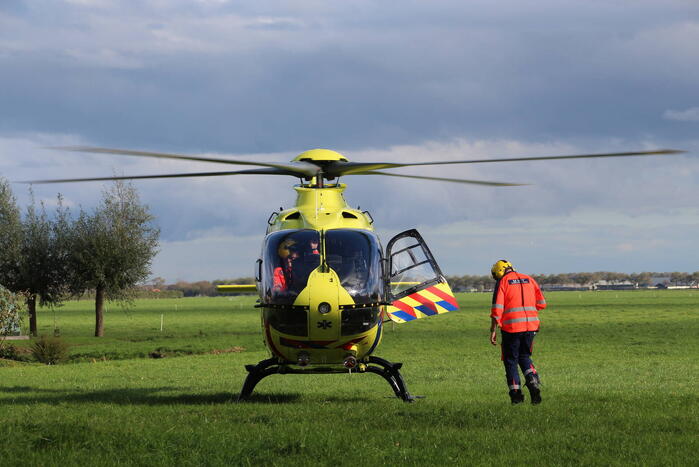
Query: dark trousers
column 517, row 350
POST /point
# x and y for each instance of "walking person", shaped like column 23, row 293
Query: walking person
column 517, row 299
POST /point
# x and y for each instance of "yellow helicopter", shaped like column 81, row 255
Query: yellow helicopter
column 326, row 285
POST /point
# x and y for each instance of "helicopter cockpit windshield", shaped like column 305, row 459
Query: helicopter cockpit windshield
column 355, row 255
column 289, row 258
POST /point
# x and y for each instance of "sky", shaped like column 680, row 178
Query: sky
column 427, row 81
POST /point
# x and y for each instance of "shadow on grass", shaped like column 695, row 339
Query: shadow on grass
column 276, row 398
column 149, row 396
column 131, row 396
column 21, row 389
column 283, row 398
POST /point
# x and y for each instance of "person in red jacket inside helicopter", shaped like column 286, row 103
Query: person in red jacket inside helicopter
column 517, row 300
column 282, row 275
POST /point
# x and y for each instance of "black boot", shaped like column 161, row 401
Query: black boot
column 533, row 384
column 516, row 396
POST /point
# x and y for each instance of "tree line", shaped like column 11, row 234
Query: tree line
column 49, row 258
column 642, row 279
column 460, row 283
column 189, row 289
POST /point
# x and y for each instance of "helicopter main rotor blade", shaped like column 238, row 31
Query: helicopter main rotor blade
column 441, row 179
column 349, row 168
column 266, row 171
column 304, row 169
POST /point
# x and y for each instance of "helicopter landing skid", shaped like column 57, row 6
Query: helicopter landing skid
column 387, row 370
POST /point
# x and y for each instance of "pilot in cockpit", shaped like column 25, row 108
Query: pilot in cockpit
column 282, row 276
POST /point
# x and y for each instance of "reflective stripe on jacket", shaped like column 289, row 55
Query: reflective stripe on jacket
column 517, row 299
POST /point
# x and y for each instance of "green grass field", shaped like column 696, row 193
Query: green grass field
column 619, row 369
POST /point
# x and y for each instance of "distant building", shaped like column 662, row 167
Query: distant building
column 659, row 282
column 614, row 285
column 561, row 287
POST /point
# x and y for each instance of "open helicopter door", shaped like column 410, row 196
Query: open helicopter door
column 415, row 286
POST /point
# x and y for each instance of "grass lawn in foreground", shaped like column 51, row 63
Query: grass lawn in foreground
column 619, row 372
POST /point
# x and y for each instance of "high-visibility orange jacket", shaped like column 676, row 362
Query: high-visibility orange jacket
column 279, row 280
column 517, row 299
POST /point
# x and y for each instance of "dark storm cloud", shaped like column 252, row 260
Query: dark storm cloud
column 343, row 76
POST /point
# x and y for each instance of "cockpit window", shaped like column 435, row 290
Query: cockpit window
column 289, row 258
column 355, row 255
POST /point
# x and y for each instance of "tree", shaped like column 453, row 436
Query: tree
column 643, row 279
column 33, row 252
column 10, row 313
column 112, row 248
column 10, row 237
column 695, row 277
column 680, row 278
column 158, row 283
column 43, row 268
